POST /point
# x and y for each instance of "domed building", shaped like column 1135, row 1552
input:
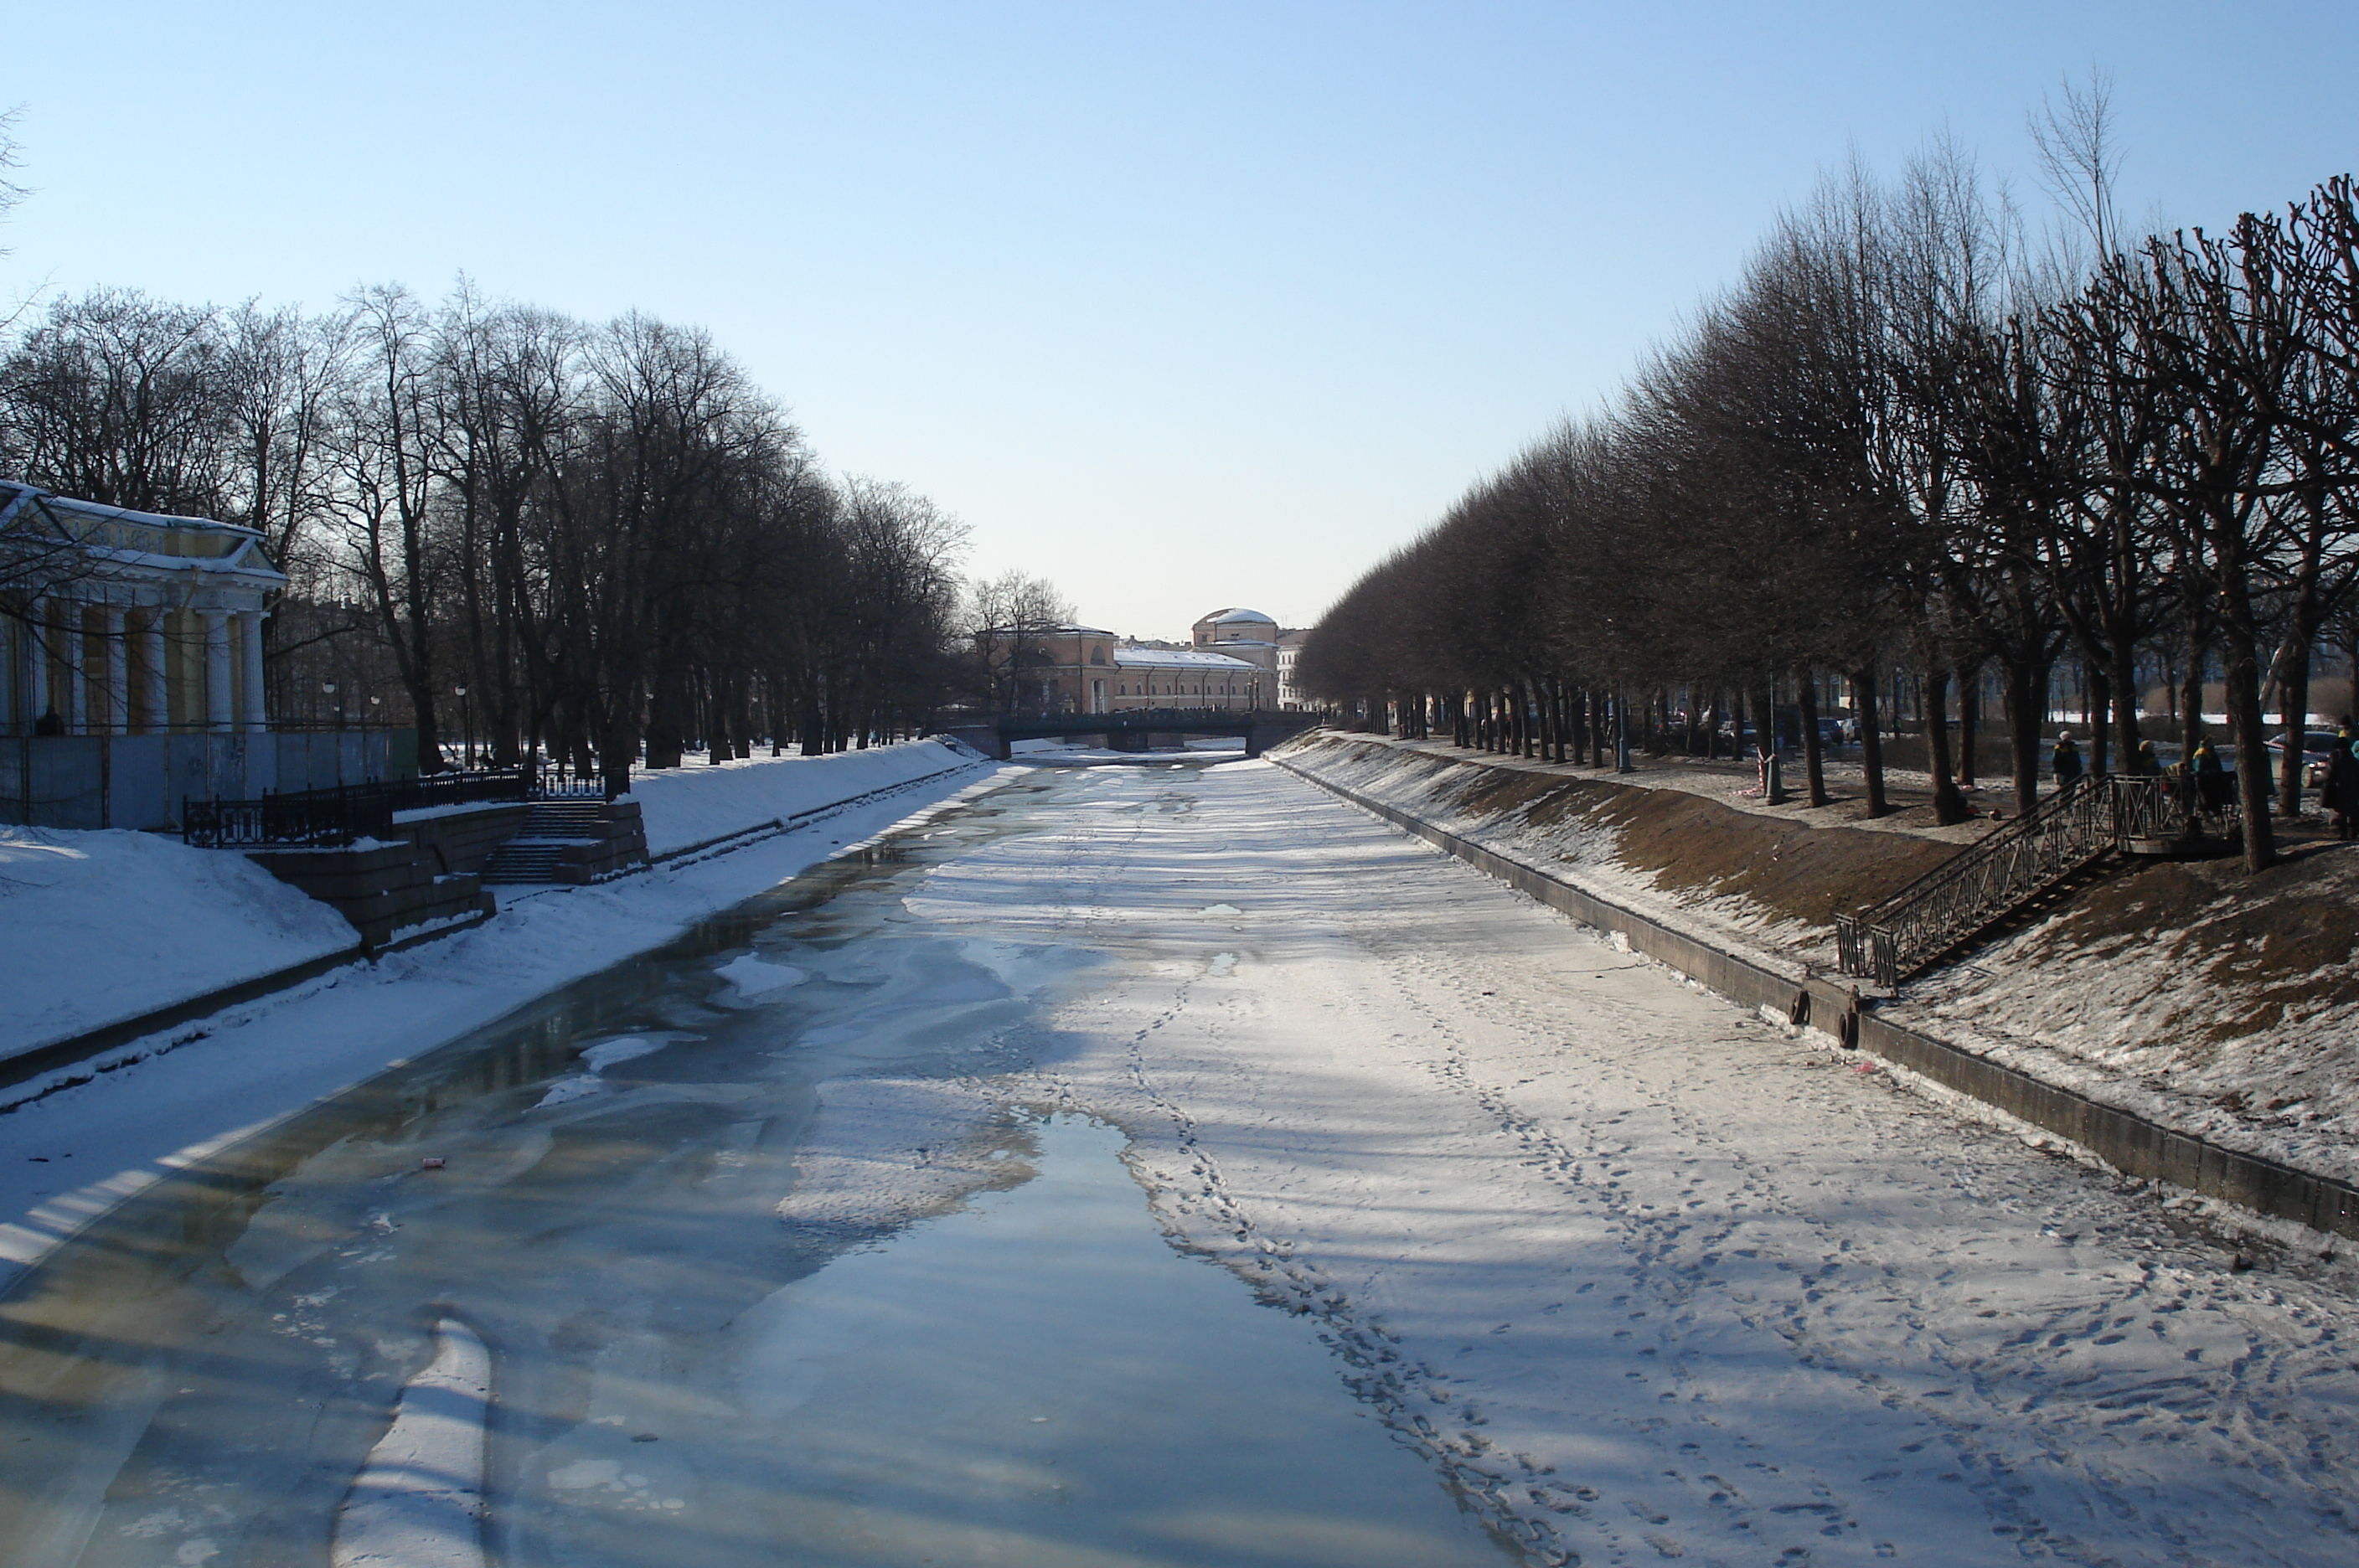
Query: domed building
column 1241, row 634
column 1250, row 627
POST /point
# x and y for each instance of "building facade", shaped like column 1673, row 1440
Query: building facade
column 130, row 670
column 129, row 623
column 1290, row 698
column 1185, row 678
column 1087, row 669
column 1246, row 635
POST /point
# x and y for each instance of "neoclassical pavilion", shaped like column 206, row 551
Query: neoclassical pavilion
column 135, row 623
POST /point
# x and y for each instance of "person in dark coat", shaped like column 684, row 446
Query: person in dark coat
column 2067, row 759
column 2342, row 788
column 49, row 723
column 2146, row 762
column 2210, row 778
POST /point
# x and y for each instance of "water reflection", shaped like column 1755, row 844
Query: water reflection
column 1040, row 1378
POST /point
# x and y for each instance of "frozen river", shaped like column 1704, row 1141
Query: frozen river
column 1162, row 1167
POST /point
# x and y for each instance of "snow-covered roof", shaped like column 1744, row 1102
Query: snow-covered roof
column 1222, row 617
column 1046, row 631
column 1172, row 659
column 122, row 543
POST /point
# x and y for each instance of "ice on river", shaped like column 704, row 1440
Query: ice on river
column 1426, row 1199
column 757, row 978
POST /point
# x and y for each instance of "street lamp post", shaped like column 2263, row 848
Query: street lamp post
column 467, row 724
column 330, row 688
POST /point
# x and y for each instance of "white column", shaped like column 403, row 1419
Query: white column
column 118, row 672
column 158, row 702
column 32, row 666
column 256, row 715
column 69, row 638
column 217, row 692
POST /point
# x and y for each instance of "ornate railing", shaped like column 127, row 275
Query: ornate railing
column 558, row 781
column 322, row 818
column 314, row 817
column 2055, row 839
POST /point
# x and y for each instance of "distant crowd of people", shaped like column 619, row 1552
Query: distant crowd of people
column 2215, row 787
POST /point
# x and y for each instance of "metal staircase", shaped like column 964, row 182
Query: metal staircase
column 2063, row 836
column 552, row 827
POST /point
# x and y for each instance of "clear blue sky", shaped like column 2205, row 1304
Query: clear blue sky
column 1180, row 305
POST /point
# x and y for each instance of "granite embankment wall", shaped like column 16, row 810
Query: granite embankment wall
column 2132, row 1144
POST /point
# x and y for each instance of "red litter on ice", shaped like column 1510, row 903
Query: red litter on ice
column 431, row 1162
column 1862, row 1067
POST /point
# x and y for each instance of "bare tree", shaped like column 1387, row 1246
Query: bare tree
column 1006, row 617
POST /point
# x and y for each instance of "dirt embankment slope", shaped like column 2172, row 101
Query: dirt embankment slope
column 2190, row 993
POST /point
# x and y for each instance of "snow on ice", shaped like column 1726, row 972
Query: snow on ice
column 1641, row 1274
column 85, row 1137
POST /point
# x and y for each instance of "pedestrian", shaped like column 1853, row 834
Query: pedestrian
column 49, row 723
column 2146, row 762
column 2067, row 761
column 2342, row 788
column 2211, row 782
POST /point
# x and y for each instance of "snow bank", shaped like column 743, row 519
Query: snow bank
column 102, row 927
column 1451, row 794
column 105, row 926
column 698, row 803
column 418, row 1503
column 89, row 1139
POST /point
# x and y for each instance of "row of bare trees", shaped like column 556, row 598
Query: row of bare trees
column 1903, row 440
column 597, row 541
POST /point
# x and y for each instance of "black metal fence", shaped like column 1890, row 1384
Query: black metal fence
column 325, row 818
column 2060, row 836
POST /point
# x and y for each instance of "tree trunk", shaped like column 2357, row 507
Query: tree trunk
column 1969, row 724
column 2293, row 707
column 2124, row 680
column 1814, row 762
column 1949, row 806
column 1871, row 743
column 2023, row 725
column 2244, row 692
column 2190, row 703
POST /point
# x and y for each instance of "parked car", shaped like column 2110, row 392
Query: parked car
column 1789, row 732
column 1834, row 732
column 2317, row 745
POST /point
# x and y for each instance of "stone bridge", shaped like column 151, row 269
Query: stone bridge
column 1136, row 729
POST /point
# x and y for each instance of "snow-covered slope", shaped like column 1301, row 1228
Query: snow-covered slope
column 100, row 926
column 699, row 801
column 2191, row 995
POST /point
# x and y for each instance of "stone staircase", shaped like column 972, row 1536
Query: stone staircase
column 2059, row 843
column 569, row 840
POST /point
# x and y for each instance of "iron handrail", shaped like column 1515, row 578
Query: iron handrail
column 2024, row 858
column 343, row 813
